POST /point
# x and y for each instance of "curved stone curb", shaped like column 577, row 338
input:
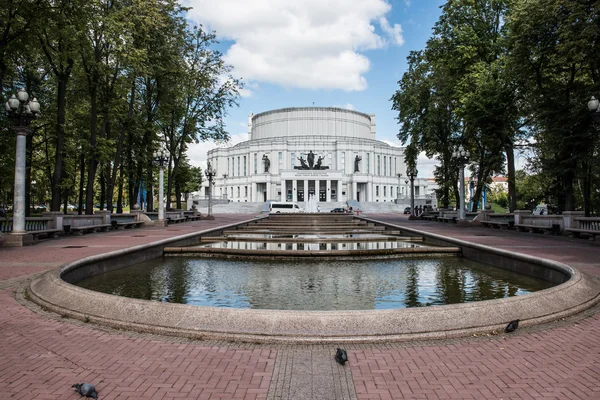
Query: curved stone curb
column 436, row 322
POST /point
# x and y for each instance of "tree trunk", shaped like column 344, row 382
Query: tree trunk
column 102, row 188
column 81, row 182
column 512, row 187
column 60, row 139
column 120, row 194
column 92, row 162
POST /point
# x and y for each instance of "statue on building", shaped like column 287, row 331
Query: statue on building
column 303, row 164
column 310, row 157
column 318, row 164
column 267, row 162
column 357, row 160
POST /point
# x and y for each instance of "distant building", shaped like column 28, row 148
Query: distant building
column 328, row 152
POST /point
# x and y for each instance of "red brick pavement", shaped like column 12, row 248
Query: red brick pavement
column 41, row 357
column 559, row 363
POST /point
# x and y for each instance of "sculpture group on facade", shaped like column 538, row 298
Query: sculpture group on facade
column 309, row 162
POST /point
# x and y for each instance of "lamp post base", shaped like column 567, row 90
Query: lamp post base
column 16, row 240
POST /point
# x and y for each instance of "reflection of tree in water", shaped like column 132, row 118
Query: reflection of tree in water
column 450, row 285
column 412, row 285
column 177, row 282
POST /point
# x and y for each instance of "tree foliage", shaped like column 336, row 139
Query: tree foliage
column 117, row 79
column 500, row 73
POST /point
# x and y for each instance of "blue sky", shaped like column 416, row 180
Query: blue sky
column 333, row 53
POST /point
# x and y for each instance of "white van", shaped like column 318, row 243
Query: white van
column 277, row 207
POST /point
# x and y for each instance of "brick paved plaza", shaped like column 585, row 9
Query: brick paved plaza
column 42, row 354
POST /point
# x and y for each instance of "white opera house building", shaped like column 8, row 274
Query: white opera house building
column 328, row 152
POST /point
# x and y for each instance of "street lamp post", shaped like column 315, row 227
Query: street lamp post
column 462, row 156
column 21, row 112
column 412, row 172
column 160, row 158
column 210, row 174
column 225, row 186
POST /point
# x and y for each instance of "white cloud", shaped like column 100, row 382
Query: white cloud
column 313, row 44
column 394, row 32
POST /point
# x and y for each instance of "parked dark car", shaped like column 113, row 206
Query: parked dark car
column 407, row 210
column 338, row 210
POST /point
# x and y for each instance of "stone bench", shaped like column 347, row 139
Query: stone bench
column 49, row 233
column 192, row 217
column 576, row 233
column 554, row 228
column 446, row 219
column 80, row 230
column 127, row 225
column 176, row 220
column 498, row 224
column 429, row 217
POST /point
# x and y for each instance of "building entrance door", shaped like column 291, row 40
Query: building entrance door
column 265, row 196
column 358, row 196
column 300, row 195
column 322, row 195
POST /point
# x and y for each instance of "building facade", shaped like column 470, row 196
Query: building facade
column 291, row 153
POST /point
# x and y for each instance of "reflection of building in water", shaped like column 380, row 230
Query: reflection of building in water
column 331, row 153
column 311, row 246
column 314, row 286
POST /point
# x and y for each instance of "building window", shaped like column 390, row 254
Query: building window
column 378, row 165
column 384, row 166
column 376, row 190
column 280, row 160
column 228, row 170
column 329, row 160
column 244, row 165
column 390, row 166
column 255, row 163
column 238, row 174
column 232, row 191
column 293, row 161
column 368, row 163
column 395, row 166
column 384, row 191
column 246, row 191
column 344, row 161
column 238, row 191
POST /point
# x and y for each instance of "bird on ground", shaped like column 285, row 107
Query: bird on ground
column 512, row 326
column 86, row 389
column 341, row 356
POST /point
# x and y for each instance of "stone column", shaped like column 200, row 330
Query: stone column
column 57, row 217
column 19, row 199
column 105, row 216
column 519, row 214
column 269, row 191
column 294, row 190
column 328, row 193
column 283, row 191
column 317, row 189
column 339, row 190
column 254, row 195
column 569, row 219
column 306, row 190
column 354, row 189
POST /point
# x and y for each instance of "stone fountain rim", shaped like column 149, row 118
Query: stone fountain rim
column 359, row 326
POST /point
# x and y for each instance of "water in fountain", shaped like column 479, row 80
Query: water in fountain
column 311, row 204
